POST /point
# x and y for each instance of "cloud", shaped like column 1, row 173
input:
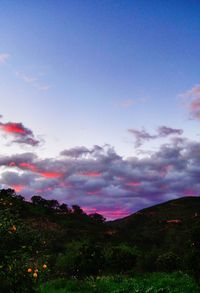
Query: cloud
column 141, row 136
column 194, row 92
column 33, row 81
column 4, row 57
column 25, row 77
column 194, row 102
column 76, row 152
column 98, row 179
column 195, row 108
column 128, row 103
column 163, row 131
column 19, row 133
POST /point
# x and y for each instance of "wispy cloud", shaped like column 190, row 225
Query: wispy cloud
column 142, row 136
column 25, row 77
column 4, row 57
column 128, row 103
column 33, row 81
column 164, row 131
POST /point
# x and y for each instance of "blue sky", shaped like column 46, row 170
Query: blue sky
column 84, row 73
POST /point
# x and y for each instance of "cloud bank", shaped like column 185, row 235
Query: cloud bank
column 100, row 180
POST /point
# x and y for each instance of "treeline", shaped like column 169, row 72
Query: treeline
column 49, row 205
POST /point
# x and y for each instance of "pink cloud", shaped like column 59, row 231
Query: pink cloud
column 33, row 168
column 18, row 187
column 19, row 133
column 50, row 174
column 109, row 214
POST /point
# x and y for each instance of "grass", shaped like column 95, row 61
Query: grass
column 150, row 283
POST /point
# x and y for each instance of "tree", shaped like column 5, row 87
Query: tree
column 97, row 218
column 63, row 208
column 77, row 210
column 51, row 204
column 38, row 200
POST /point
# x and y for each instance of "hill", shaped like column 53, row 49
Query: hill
column 183, row 208
column 171, row 225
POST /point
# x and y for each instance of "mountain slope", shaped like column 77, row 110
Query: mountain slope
column 172, row 224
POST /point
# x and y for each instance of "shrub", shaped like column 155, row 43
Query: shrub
column 80, row 259
column 121, row 258
column 168, row 262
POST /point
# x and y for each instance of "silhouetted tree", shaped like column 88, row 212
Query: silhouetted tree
column 52, row 204
column 77, row 210
column 38, row 200
column 64, row 208
column 97, row 218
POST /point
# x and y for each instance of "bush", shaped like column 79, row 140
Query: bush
column 121, row 258
column 80, row 259
column 168, row 262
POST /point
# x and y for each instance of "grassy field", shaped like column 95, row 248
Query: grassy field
column 150, row 283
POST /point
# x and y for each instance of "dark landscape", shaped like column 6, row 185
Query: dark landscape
column 48, row 247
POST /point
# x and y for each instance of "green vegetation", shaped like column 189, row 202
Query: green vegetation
column 44, row 242
column 153, row 283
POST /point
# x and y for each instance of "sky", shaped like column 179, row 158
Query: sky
column 100, row 101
